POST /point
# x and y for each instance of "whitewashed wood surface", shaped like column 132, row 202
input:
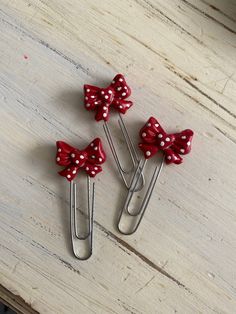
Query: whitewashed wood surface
column 179, row 57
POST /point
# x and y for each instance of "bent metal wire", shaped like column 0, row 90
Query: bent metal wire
column 154, row 139
column 102, row 100
column 74, row 160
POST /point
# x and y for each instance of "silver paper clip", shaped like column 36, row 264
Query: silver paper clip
column 75, row 235
column 154, row 139
column 88, row 159
column 102, row 100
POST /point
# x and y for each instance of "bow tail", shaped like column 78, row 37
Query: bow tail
column 149, row 150
column 122, row 105
column 69, row 172
column 92, row 170
column 102, row 113
column 171, row 157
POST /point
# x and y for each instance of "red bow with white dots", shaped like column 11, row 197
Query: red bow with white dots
column 74, row 159
column 155, row 139
column 101, row 99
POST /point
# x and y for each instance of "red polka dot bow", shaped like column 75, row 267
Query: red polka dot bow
column 102, row 99
column 155, row 138
column 74, row 159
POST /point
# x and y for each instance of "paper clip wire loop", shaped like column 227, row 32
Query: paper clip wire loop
column 88, row 236
column 131, row 192
column 131, row 150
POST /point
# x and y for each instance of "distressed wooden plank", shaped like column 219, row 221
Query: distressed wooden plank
column 182, row 257
column 209, row 72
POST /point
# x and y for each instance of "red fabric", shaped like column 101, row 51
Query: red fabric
column 74, row 159
column 102, row 99
column 154, row 138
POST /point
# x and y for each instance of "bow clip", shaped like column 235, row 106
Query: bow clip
column 154, row 138
column 102, row 99
column 74, row 159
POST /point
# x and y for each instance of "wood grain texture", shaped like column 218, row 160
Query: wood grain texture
column 179, row 57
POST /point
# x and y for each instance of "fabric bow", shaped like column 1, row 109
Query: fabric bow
column 155, row 139
column 102, row 99
column 74, row 159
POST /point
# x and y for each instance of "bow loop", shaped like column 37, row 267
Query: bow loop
column 74, row 159
column 183, row 142
column 101, row 99
column 121, row 88
column 64, row 152
column 155, row 138
column 95, row 152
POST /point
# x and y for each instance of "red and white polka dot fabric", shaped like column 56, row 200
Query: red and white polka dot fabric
column 154, row 138
column 102, row 99
column 74, row 159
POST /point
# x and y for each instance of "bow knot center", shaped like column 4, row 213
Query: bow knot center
column 107, row 95
column 78, row 158
column 164, row 141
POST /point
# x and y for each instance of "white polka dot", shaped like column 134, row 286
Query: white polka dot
column 59, row 150
column 93, row 172
column 81, row 156
column 92, row 144
column 175, row 158
column 167, row 139
column 68, row 169
column 160, row 135
column 162, row 143
column 183, row 137
column 149, row 124
column 87, row 168
column 182, row 150
column 86, row 98
column 87, row 90
column 96, row 102
column 106, row 96
column 148, row 153
column 96, row 168
column 109, row 92
column 188, row 143
column 123, row 94
column 169, row 157
column 87, row 105
column 104, row 108
column 128, row 105
column 144, row 134
column 72, row 155
column 68, row 176
column 125, row 87
column 121, row 79
column 102, row 92
column 113, row 82
column 74, row 171
column 119, row 88
column 121, row 107
column 100, row 159
column 92, row 96
column 104, row 115
column 93, row 156
column 58, row 158
column 77, row 161
column 156, row 125
column 95, row 148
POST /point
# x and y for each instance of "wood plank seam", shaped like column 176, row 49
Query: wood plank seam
column 209, row 16
column 218, row 10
